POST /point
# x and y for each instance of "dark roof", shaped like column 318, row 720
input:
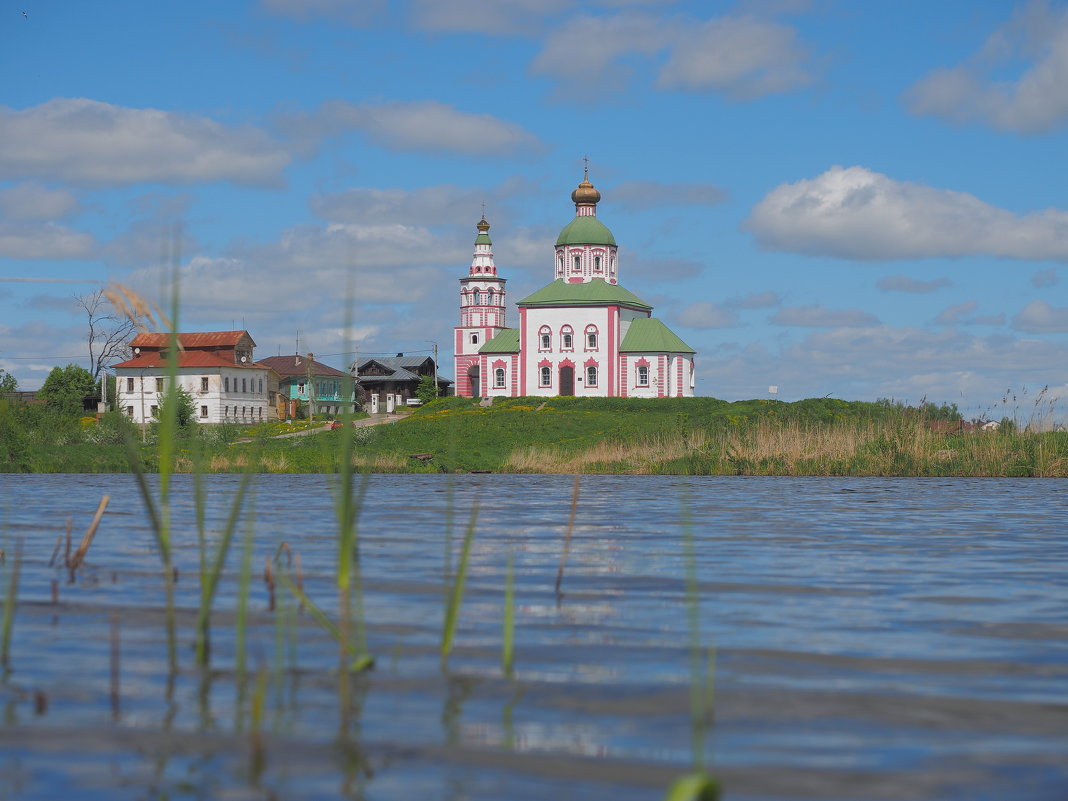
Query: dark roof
column 399, row 365
column 293, row 366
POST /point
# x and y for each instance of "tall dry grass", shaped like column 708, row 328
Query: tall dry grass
column 908, row 448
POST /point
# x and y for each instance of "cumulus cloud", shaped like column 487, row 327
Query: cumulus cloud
column 426, row 126
column 816, row 316
column 1045, row 278
column 640, row 195
column 854, row 213
column 662, row 269
column 742, row 56
column 88, row 141
column 707, row 315
column 1041, row 318
column 903, row 283
column 962, row 314
column 44, row 241
column 1035, row 102
column 34, row 201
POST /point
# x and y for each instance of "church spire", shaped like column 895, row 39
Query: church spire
column 482, row 261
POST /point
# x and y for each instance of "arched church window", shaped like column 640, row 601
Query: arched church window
column 567, row 338
column 474, row 339
column 576, row 264
column 545, row 338
column 597, row 264
column 591, row 337
column 546, row 377
column 591, row 376
column 643, row 375
column 498, row 377
column 478, row 298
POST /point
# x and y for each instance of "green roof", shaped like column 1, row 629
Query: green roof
column 649, row 335
column 507, row 341
column 585, row 231
column 597, row 292
column 483, row 239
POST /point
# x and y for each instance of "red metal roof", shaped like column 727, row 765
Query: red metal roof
column 203, row 339
column 186, row 358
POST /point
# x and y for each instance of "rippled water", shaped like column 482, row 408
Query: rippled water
column 874, row 639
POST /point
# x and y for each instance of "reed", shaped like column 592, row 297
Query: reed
column 508, row 625
column 567, row 534
column 456, row 597
column 10, row 600
column 244, row 582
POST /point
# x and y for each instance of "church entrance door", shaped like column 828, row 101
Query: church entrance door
column 476, row 382
column 567, row 380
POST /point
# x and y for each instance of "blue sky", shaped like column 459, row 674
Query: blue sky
column 838, row 198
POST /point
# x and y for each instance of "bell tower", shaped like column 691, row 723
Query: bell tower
column 482, row 314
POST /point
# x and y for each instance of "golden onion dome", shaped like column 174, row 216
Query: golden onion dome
column 586, row 194
column 482, row 225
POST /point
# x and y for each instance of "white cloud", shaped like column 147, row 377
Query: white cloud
column 639, row 195
column 955, row 314
column 854, row 213
column 427, row 126
column 903, row 283
column 1041, row 318
column 1045, row 278
column 1035, row 102
column 34, row 201
column 707, row 315
column 44, row 241
column 661, row 269
column 820, row 317
column 742, row 56
column 82, row 140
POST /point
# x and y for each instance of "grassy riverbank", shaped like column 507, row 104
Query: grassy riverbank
column 695, row 436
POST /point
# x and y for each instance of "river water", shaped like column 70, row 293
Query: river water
column 873, row 639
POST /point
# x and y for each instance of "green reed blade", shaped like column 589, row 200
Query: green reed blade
column 693, row 787
column 245, row 579
column 452, row 611
column 508, row 632
column 360, row 661
column 209, row 579
column 10, row 599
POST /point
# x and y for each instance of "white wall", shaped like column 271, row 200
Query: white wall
column 234, row 406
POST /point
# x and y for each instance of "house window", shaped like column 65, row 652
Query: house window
column 576, row 264
column 261, row 414
column 591, row 338
column 261, row 386
column 244, row 385
column 591, row 376
column 159, row 385
column 226, row 411
column 203, row 411
column 226, row 384
column 597, row 264
column 474, row 339
column 546, row 377
column 545, row 335
column 643, row 375
column 300, row 388
column 203, row 383
column 129, row 386
column 129, row 409
column 154, row 411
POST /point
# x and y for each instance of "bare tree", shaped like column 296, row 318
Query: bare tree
column 109, row 332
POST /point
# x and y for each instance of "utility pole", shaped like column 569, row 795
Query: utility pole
column 311, row 394
column 355, row 370
column 435, row 369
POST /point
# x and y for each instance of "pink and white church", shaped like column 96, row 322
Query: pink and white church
column 583, row 334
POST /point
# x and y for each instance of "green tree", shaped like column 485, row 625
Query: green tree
column 66, row 388
column 8, row 382
column 185, row 407
column 426, row 391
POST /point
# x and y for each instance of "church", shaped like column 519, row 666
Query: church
column 583, row 334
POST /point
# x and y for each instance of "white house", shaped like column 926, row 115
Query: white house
column 215, row 367
column 583, row 334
